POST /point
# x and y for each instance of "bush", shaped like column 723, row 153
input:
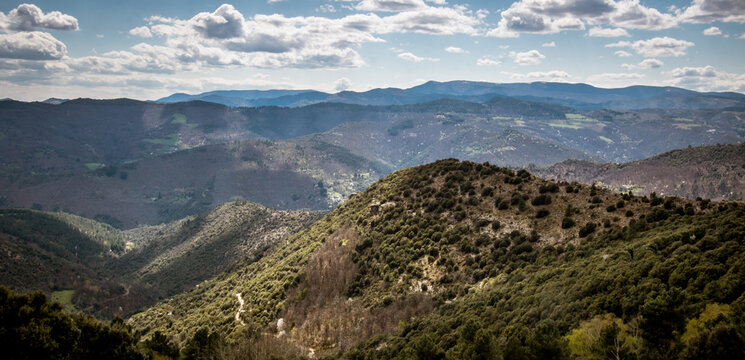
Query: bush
column 550, row 187
column 588, row 229
column 567, row 223
column 541, row 200
column 610, row 208
column 541, row 213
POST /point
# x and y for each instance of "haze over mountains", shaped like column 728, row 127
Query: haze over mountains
column 198, row 224
column 578, row 96
column 129, row 162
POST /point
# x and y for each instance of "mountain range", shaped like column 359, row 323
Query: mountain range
column 128, row 162
column 579, row 96
column 347, row 228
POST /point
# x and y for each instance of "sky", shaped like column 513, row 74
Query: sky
column 150, row 49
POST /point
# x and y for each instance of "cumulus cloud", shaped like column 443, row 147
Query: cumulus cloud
column 33, row 45
column 142, row 31
column 487, row 62
column 342, row 84
column 552, row 16
column 432, row 20
column 28, row 17
column 391, row 5
column 706, row 11
column 645, row 64
column 707, row 78
column 532, row 57
column 225, row 36
column 549, row 44
column 456, row 50
column 608, row 32
column 224, row 23
column 621, row 53
column 554, row 75
column 706, row 71
column 656, row 47
column 413, row 58
column 326, row 8
column 713, row 31
column 613, row 79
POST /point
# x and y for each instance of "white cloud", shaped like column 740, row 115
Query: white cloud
column 391, row 5
column 741, row 36
column 552, row 16
column 532, row 57
column 645, row 64
column 608, row 32
column 32, row 45
column 27, row 17
column 656, row 47
column 456, row 50
column 554, row 75
column 549, row 44
column 224, row 23
column 413, row 58
column 706, row 71
column 326, row 8
column 707, row 78
column 612, row 80
column 141, row 31
column 342, row 84
column 487, row 62
column 650, row 64
column 621, row 53
column 712, row 31
column 433, row 20
column 705, row 11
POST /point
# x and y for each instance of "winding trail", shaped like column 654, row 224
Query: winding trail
column 240, row 309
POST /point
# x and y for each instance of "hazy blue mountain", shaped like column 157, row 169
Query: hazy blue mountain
column 579, row 96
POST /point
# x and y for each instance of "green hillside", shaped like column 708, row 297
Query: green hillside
column 97, row 269
column 710, row 172
column 462, row 260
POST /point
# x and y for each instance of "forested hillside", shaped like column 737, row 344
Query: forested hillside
column 462, row 260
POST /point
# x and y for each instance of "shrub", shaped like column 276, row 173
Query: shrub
column 550, row 187
column 541, row 200
column 567, row 222
column 541, row 213
column 588, row 229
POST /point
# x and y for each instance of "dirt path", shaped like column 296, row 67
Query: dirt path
column 240, row 309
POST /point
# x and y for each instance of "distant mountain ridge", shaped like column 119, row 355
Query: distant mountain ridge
column 579, row 96
column 710, row 172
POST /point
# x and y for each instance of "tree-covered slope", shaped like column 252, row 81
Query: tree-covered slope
column 709, row 172
column 462, row 260
column 95, row 268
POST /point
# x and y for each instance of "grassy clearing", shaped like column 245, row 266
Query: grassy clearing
column 63, row 297
column 684, row 119
column 686, row 126
column 93, row 166
column 501, row 118
column 180, row 119
column 566, row 126
column 607, row 140
column 580, row 118
column 170, row 140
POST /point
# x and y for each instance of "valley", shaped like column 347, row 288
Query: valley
column 312, row 156
column 451, row 220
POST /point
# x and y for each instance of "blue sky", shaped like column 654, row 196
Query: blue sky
column 149, row 49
